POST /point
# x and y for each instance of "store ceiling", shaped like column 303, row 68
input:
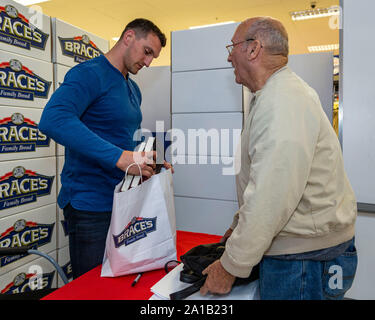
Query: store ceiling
column 108, row 18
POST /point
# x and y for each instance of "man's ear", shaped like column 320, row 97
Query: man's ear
column 128, row 36
column 253, row 49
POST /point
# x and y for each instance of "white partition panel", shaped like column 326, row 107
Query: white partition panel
column 202, row 177
column 207, row 116
column 364, row 281
column 212, row 134
column 201, row 49
column 317, row 70
column 204, row 215
column 357, row 97
column 358, row 138
column 155, row 86
column 206, row 91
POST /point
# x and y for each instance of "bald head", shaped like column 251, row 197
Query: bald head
column 270, row 32
column 259, row 49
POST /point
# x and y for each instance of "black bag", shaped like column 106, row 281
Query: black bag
column 195, row 261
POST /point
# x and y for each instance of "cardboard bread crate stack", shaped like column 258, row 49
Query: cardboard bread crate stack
column 28, row 157
column 32, row 66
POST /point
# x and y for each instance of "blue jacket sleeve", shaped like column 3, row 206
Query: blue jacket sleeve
column 61, row 117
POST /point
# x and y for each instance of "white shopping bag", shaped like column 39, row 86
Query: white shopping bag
column 142, row 233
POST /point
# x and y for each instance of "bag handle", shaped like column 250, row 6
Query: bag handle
column 140, row 171
column 126, row 173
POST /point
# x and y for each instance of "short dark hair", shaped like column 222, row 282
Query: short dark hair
column 142, row 27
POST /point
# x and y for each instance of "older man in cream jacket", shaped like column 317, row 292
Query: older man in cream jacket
column 297, row 209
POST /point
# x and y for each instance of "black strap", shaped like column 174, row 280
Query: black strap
column 189, row 276
column 170, row 264
column 182, row 294
column 12, row 251
column 186, row 276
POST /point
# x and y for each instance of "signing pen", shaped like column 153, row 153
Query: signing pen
column 136, row 279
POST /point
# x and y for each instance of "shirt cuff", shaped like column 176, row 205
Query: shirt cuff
column 234, row 269
column 116, row 157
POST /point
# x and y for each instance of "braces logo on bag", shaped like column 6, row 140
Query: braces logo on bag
column 19, row 82
column 137, row 229
column 17, row 31
column 22, row 186
column 20, row 134
column 79, row 48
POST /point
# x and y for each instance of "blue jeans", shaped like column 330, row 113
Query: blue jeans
column 307, row 279
column 87, row 236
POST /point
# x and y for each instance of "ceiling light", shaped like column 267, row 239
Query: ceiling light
column 212, row 25
column 29, row 2
column 327, row 47
column 315, row 13
column 116, row 38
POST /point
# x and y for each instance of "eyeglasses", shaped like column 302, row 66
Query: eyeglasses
column 231, row 46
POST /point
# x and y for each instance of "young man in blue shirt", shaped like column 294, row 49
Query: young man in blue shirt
column 94, row 114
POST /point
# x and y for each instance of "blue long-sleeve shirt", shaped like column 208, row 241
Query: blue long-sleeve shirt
column 94, row 114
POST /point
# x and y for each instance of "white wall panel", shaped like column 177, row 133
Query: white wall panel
column 34, row 228
column 215, row 134
column 204, row 215
column 358, row 138
column 206, row 108
column 364, row 281
column 202, row 177
column 316, row 69
column 206, row 91
column 155, row 86
column 202, row 48
column 357, row 97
